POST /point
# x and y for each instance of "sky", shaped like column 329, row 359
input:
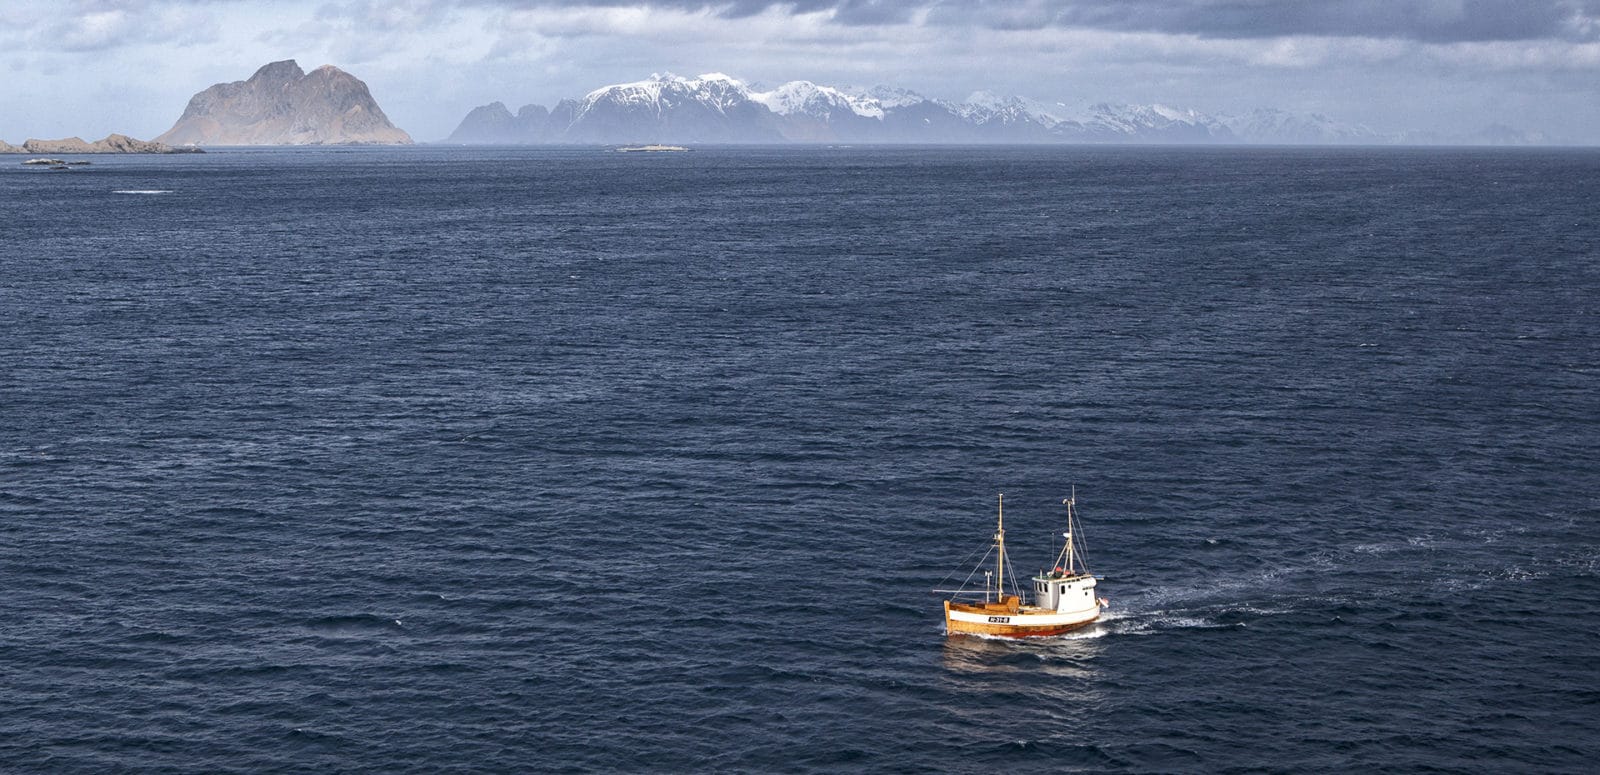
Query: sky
column 92, row 67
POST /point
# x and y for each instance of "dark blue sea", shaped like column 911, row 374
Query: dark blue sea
column 444, row 460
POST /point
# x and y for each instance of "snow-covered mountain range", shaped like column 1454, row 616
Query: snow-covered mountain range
column 716, row 108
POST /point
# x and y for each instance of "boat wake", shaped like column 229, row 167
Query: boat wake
column 1158, row 622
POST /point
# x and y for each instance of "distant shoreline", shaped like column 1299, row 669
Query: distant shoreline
column 39, row 149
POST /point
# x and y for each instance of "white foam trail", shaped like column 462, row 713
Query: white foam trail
column 1160, row 622
column 143, row 191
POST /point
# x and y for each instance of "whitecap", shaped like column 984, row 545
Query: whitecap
column 143, row 191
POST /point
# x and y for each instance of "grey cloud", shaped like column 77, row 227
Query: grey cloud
column 846, row 11
column 861, row 12
column 387, row 15
column 1434, row 21
column 102, row 25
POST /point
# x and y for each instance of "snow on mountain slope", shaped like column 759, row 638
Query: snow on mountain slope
column 1267, row 125
column 711, row 108
column 1155, row 122
column 984, row 104
column 805, row 98
column 886, row 97
column 713, row 90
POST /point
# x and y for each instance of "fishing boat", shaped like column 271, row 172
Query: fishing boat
column 1063, row 597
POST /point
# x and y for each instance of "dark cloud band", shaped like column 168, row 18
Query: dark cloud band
column 1425, row 20
column 1435, row 21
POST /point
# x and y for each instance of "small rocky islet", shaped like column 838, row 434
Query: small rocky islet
column 113, row 143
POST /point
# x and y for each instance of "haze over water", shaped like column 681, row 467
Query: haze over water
column 421, row 460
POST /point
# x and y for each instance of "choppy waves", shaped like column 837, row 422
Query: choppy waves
column 460, row 461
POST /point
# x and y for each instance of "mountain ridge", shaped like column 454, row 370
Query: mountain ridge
column 717, row 108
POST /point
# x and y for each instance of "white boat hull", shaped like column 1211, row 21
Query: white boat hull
column 1013, row 622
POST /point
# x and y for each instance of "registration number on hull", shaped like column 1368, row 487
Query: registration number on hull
column 999, row 620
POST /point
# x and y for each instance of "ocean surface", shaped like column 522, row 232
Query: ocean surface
column 524, row 460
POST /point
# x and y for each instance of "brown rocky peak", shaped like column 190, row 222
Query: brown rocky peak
column 286, row 71
column 283, row 105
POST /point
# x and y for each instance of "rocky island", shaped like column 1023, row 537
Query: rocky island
column 284, row 105
column 110, row 144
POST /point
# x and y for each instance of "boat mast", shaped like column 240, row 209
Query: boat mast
column 1000, row 540
column 1070, row 502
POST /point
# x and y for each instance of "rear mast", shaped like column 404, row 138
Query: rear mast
column 1069, row 550
column 1000, row 540
column 1072, row 501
